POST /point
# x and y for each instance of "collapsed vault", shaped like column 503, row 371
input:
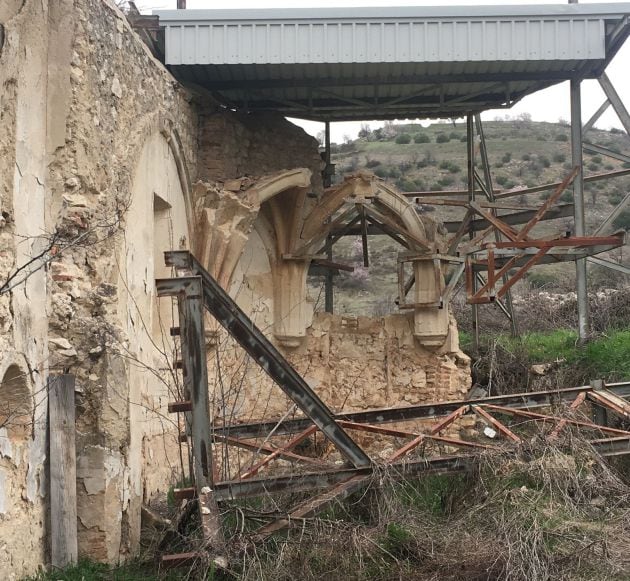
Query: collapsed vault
column 293, row 228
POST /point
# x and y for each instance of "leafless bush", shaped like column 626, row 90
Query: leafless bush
column 543, row 511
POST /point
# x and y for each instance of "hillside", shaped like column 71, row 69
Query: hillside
column 522, row 153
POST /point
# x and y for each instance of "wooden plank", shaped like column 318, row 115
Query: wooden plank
column 63, row 471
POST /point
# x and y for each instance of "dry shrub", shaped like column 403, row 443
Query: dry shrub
column 542, row 512
column 538, row 310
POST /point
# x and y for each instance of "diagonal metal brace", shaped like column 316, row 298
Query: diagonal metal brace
column 242, row 328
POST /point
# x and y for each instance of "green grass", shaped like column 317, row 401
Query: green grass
column 87, row 570
column 607, row 356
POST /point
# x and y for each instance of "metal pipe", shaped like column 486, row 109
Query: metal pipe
column 578, row 208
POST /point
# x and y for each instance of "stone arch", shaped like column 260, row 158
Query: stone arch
column 15, row 401
column 227, row 220
column 380, row 202
column 158, row 218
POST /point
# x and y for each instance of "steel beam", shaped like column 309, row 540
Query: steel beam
column 264, row 353
column 607, row 223
column 195, row 379
column 609, row 264
column 329, row 280
column 591, row 122
column 235, row 489
column 599, row 149
column 418, row 412
column 615, row 101
column 470, row 159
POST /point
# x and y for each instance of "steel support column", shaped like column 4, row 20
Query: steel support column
column 578, row 201
column 329, row 280
column 508, row 309
column 470, row 149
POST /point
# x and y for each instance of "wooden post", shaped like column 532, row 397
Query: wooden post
column 63, row 471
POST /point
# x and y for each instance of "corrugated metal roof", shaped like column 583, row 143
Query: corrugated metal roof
column 349, row 63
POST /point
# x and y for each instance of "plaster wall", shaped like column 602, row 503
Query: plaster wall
column 28, row 100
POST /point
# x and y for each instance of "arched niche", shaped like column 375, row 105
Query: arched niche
column 16, row 403
column 156, row 220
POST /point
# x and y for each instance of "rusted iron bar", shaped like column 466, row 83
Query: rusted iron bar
column 506, row 230
column 577, row 241
column 617, row 405
column 176, row 407
column 287, row 448
column 555, row 419
column 311, row 506
column 265, row 449
column 516, row 218
column 448, row 420
column 246, row 333
column 577, row 402
column 419, row 412
column 564, row 184
column 324, row 479
column 492, row 421
column 478, row 298
column 459, row 443
column 408, row 447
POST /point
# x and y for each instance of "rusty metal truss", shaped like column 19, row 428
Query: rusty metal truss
column 449, row 439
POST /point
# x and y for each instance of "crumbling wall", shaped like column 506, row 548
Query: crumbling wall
column 122, row 179
column 25, row 114
column 98, row 143
column 233, row 145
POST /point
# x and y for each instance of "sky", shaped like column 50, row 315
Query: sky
column 548, row 105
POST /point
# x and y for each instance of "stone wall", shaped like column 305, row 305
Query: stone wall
column 99, row 146
column 25, row 84
column 233, row 145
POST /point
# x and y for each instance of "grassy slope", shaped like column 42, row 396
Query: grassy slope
column 536, row 155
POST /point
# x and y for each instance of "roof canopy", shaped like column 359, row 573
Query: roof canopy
column 386, row 63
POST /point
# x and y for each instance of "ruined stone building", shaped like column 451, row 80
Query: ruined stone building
column 106, row 161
